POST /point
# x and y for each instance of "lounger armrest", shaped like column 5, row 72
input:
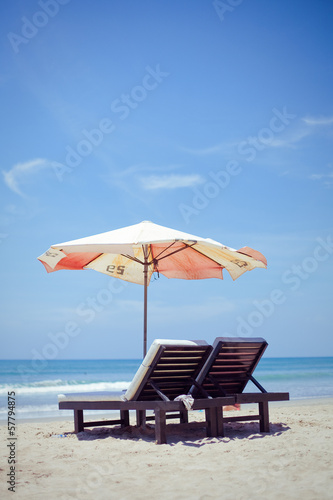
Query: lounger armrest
column 257, row 397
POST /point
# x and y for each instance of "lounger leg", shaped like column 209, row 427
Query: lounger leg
column 160, row 426
column 140, row 417
column 264, row 416
column 211, row 422
column 78, row 421
column 219, row 420
column 124, row 417
column 208, row 414
column 183, row 416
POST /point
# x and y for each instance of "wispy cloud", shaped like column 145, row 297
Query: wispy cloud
column 327, row 179
column 172, row 181
column 290, row 137
column 20, row 172
column 157, row 177
column 221, row 148
column 319, row 121
column 142, row 167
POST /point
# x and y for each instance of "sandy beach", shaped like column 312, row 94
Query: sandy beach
column 293, row 461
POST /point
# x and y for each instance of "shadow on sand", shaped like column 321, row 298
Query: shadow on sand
column 192, row 434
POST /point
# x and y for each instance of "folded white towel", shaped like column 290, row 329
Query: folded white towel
column 187, row 400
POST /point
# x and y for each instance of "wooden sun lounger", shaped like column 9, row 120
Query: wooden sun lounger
column 227, row 372
column 213, row 419
column 169, row 369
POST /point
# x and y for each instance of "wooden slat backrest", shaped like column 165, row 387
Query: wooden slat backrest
column 173, row 371
column 231, row 364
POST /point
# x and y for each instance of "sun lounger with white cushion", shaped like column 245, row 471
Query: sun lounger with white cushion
column 168, row 371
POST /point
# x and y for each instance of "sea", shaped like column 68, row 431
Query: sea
column 35, row 385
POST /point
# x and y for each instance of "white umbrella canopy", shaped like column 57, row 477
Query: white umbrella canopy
column 134, row 253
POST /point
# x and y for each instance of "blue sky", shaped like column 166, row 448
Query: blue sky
column 214, row 118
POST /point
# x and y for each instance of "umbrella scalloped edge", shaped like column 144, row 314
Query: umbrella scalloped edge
column 254, row 254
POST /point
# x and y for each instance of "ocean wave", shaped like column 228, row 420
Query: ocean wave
column 294, row 375
column 31, row 408
column 60, row 386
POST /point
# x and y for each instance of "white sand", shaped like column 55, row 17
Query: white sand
column 294, row 461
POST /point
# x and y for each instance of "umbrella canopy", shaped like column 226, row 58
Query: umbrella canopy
column 135, row 252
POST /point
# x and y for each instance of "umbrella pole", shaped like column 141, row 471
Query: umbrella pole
column 145, row 276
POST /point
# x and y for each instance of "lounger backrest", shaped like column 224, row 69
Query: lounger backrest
column 171, row 365
column 231, row 364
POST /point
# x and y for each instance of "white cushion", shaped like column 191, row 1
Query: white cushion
column 150, row 357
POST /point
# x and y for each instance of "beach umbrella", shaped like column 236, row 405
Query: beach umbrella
column 134, row 253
